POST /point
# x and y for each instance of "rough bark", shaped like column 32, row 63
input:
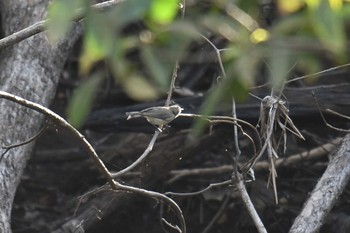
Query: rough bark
column 29, row 69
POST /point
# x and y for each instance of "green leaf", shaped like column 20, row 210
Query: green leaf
column 158, row 69
column 99, row 40
column 245, row 67
column 163, row 11
column 221, row 95
column 81, row 102
column 139, row 89
column 207, row 108
column 93, row 51
column 308, row 64
column 60, row 15
column 280, row 62
column 234, row 88
column 328, row 25
column 102, row 38
column 129, row 11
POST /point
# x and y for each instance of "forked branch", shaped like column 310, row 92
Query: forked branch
column 116, row 186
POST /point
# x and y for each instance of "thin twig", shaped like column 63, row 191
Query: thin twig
column 217, row 215
column 176, row 66
column 218, row 55
column 322, row 72
column 248, row 203
column 337, row 114
column 238, row 180
column 41, row 131
column 9, row 147
column 176, row 228
column 235, row 133
column 213, row 185
column 82, row 198
column 324, row 119
column 160, row 197
column 140, row 159
column 172, row 83
column 228, row 120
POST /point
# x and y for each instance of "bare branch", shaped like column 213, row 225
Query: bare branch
column 248, row 203
column 176, row 66
column 55, row 117
column 160, row 197
column 116, row 186
column 227, row 120
column 213, row 185
column 140, row 159
column 337, row 114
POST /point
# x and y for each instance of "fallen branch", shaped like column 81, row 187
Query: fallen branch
column 261, row 165
column 326, row 192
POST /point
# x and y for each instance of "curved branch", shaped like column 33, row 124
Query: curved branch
column 140, row 159
column 116, row 186
column 55, row 117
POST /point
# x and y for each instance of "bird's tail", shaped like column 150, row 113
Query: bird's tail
column 133, row 115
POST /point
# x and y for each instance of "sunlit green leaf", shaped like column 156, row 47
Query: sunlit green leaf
column 99, row 40
column 60, row 15
column 81, row 102
column 93, row 51
column 164, row 12
column 102, row 37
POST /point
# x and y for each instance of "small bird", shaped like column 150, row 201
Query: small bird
column 158, row 116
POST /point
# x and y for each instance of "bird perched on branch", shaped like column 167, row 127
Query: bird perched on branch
column 158, row 116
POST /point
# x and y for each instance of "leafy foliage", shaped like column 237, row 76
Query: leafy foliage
column 304, row 29
column 61, row 14
column 82, row 99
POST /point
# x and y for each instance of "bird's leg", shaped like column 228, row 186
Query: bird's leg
column 159, row 128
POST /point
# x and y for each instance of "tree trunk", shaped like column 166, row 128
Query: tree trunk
column 29, row 69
